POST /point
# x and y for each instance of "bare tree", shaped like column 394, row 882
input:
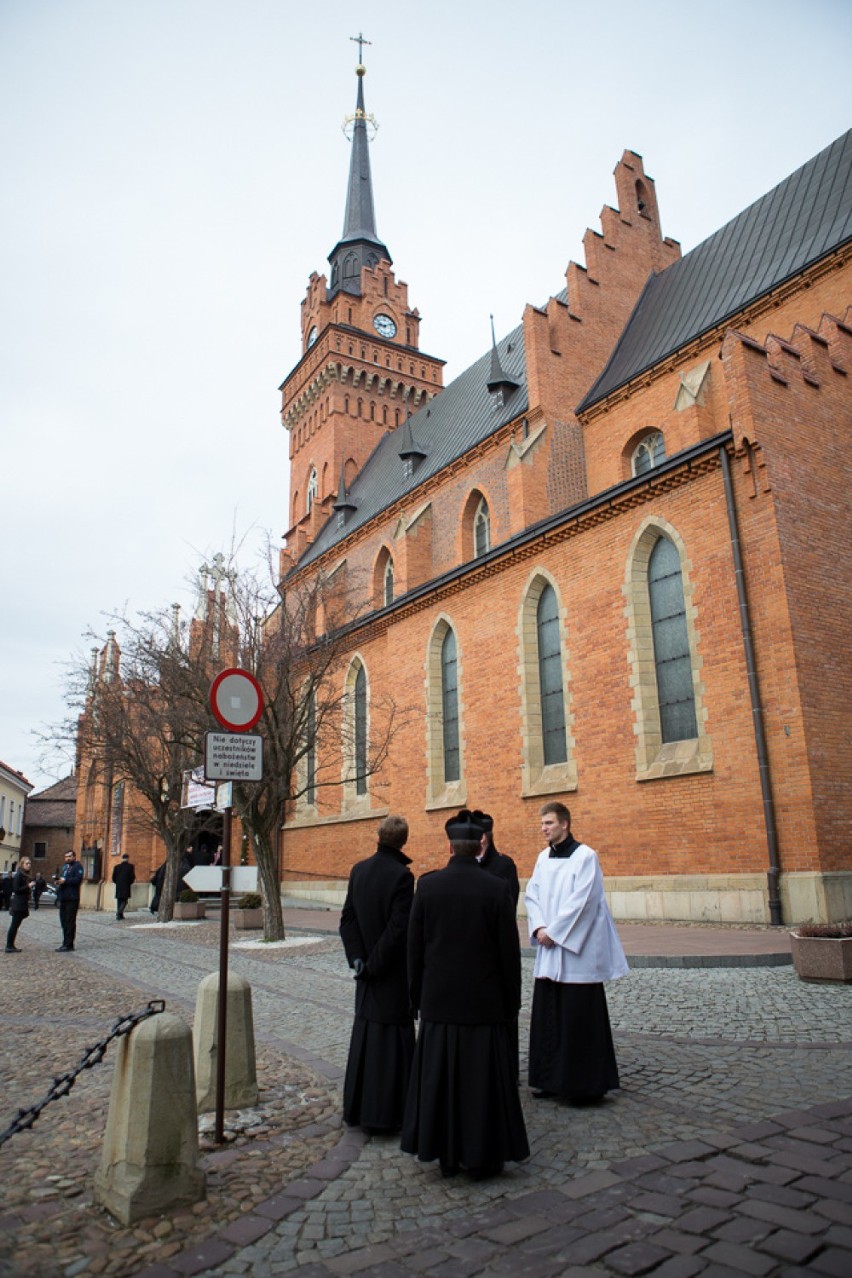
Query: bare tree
column 145, row 710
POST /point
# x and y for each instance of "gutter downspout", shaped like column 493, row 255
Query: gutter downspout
column 774, row 871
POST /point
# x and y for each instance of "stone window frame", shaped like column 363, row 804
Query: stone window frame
column 354, row 804
column 537, row 777
column 654, row 759
column 442, row 793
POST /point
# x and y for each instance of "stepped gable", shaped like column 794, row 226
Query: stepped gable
column 804, row 218
column 456, row 420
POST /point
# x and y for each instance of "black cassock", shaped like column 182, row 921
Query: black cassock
column 373, row 927
column 464, row 970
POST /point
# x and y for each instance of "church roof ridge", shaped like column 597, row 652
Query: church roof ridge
column 802, row 219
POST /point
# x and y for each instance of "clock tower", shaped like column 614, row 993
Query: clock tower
column 361, row 372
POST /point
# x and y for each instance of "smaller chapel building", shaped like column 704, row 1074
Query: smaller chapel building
column 609, row 564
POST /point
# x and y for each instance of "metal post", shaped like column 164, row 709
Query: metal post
column 222, row 1019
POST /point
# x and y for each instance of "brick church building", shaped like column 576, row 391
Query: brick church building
column 608, row 564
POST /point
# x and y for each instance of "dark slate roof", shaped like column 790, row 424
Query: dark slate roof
column 53, row 806
column 805, row 217
column 455, row 421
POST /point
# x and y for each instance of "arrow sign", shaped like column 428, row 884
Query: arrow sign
column 208, row 878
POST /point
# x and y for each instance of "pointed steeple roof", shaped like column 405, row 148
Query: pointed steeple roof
column 499, row 383
column 359, row 245
column 344, row 502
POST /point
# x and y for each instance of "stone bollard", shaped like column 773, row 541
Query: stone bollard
column 150, row 1154
column 240, row 1066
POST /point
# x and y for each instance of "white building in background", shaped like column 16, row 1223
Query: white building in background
column 14, row 788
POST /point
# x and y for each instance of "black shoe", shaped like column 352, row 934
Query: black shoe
column 64, row 949
column 486, row 1172
column 12, row 949
column 542, row 1095
column 447, row 1170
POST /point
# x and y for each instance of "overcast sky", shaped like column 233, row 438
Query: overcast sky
column 171, row 171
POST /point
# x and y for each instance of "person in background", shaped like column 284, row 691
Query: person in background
column 571, row 1050
column 123, row 876
column 497, row 863
column 68, row 891
column 19, row 906
column 38, row 888
column 373, row 927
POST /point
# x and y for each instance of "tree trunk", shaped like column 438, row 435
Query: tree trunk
column 167, row 897
column 270, row 890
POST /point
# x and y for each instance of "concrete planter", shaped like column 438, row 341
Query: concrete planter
column 822, row 958
column 188, row 910
column 247, row 919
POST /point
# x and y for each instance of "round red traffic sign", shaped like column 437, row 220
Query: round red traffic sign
column 236, row 700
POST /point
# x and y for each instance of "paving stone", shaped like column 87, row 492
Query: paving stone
column 833, row 1261
column 791, row 1246
column 636, row 1258
column 741, row 1259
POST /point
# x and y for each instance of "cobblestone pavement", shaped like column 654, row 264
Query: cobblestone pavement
column 728, row 1149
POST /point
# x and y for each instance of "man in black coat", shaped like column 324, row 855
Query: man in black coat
column 373, row 927
column 496, row 863
column 464, row 969
column 123, row 876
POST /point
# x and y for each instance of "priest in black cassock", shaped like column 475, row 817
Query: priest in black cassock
column 464, row 968
column 373, row 927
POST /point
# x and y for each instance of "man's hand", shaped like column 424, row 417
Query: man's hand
column 360, row 968
column 543, row 939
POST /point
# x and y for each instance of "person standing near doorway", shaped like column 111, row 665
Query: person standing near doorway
column 68, row 891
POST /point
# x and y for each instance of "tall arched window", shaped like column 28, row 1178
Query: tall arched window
column 648, row 453
column 311, row 751
column 550, row 678
column 450, row 707
column 387, row 591
column 672, row 659
column 360, row 727
column 481, row 529
column 312, row 490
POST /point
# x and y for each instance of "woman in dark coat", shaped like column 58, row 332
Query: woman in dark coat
column 464, row 966
column 373, row 927
column 19, row 905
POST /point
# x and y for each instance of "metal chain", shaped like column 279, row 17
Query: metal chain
column 93, row 1055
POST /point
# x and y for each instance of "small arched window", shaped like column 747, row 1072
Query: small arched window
column 481, row 529
column 450, row 707
column 387, row 586
column 648, row 453
column 672, row 657
column 313, row 486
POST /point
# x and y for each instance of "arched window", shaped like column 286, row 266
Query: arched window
column 550, row 678
column 663, row 654
column 312, row 490
column 648, row 453
column 672, row 659
column 481, row 529
column 388, row 582
column 311, row 751
column 450, row 707
column 360, row 730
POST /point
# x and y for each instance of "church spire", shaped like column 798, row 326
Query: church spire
column 359, row 245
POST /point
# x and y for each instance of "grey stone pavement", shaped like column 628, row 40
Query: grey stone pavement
column 727, row 1151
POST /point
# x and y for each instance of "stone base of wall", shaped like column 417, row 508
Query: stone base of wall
column 683, row 898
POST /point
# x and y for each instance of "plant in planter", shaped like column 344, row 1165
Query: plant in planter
column 823, row 951
column 188, row 906
column 248, row 911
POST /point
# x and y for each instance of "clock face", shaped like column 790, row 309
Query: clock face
column 384, row 326
column 312, row 336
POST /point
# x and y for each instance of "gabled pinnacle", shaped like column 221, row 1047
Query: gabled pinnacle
column 410, row 450
column 359, row 245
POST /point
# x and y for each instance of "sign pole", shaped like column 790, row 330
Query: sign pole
column 222, row 1010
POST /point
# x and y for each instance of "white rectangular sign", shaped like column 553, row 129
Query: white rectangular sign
column 208, row 878
column 196, row 793
column 233, row 756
